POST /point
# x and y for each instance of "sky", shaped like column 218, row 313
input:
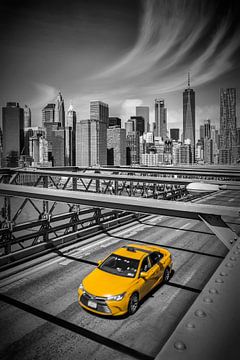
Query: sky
column 123, row 52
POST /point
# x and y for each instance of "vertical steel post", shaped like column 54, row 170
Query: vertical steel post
column 7, row 224
column 45, row 213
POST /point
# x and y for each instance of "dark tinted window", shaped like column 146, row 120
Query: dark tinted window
column 145, row 264
column 155, row 257
column 120, row 265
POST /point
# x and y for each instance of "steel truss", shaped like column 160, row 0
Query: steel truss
column 46, row 225
column 211, row 215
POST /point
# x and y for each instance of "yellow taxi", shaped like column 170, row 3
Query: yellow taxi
column 121, row 281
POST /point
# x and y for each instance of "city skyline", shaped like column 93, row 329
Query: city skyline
column 142, row 51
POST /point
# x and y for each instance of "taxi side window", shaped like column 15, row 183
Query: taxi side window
column 155, row 257
column 145, row 264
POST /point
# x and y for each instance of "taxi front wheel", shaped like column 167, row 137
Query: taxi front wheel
column 133, row 303
column 166, row 275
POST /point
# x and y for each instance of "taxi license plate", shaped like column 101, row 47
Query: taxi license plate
column 92, row 304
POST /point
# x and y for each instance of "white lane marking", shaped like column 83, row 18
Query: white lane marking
column 131, row 234
column 230, row 200
column 183, row 226
column 114, row 241
column 155, row 220
column 100, row 243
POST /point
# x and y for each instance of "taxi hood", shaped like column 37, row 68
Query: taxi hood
column 102, row 283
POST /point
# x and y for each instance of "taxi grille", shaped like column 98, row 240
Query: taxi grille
column 100, row 301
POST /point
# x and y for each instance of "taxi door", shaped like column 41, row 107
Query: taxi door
column 157, row 268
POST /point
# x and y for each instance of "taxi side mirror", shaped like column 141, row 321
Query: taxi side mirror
column 143, row 275
column 100, row 262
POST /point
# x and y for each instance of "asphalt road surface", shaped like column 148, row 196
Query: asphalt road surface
column 51, row 287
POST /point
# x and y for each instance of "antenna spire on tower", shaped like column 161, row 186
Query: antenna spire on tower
column 189, row 79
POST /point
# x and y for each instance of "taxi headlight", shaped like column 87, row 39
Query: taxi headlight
column 81, row 287
column 116, row 297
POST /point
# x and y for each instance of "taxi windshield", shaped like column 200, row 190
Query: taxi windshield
column 120, row 265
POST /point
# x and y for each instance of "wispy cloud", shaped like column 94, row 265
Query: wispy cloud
column 175, row 37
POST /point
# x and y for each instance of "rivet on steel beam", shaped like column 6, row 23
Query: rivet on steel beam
column 233, row 258
column 213, row 291
column 223, row 273
column 200, row 313
column 219, row 281
column 236, row 252
column 190, row 325
column 208, row 300
column 179, row 345
column 229, row 265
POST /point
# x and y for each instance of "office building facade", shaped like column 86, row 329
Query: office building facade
column 114, row 121
column 143, row 111
column 228, row 126
column 71, row 136
column 99, row 114
column 83, row 143
column 12, row 133
column 116, row 146
column 174, row 134
column 60, row 111
column 27, row 117
column 160, row 119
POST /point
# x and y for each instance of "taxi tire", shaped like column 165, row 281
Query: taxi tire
column 166, row 275
column 133, row 303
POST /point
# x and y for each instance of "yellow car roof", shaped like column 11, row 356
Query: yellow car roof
column 133, row 251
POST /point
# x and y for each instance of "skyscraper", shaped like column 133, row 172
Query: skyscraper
column 13, row 133
column 49, row 124
column 207, row 129
column 27, row 117
column 228, row 126
column 48, row 113
column 189, row 116
column 174, row 134
column 58, row 147
column 99, row 114
column 143, row 111
column 160, row 119
column 83, row 143
column 116, row 144
column 114, row 121
column 71, row 136
column 59, row 110
column 138, row 124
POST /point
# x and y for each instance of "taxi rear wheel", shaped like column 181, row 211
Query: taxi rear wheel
column 133, row 303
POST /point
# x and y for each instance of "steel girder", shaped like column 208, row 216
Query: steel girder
column 147, row 206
